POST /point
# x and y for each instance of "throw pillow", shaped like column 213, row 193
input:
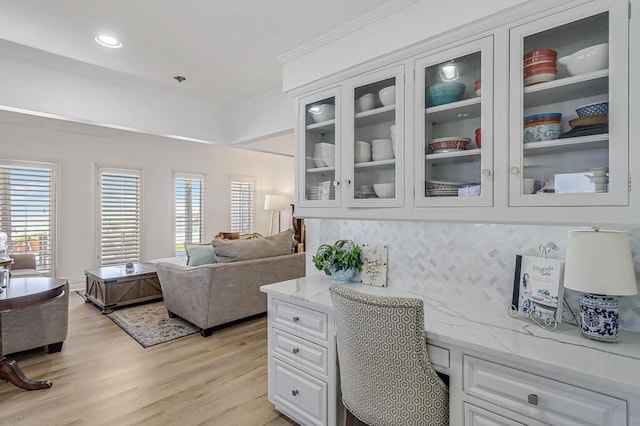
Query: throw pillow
column 236, row 250
column 199, row 254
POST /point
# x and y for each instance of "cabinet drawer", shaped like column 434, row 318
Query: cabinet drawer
column 438, row 356
column 301, row 321
column 476, row 416
column 299, row 395
column 299, row 351
column 544, row 399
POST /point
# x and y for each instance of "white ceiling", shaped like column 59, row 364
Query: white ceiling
column 227, row 50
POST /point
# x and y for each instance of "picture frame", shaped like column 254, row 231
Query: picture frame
column 374, row 265
column 538, row 286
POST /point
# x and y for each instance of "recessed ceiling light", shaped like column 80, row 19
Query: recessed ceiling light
column 108, row 41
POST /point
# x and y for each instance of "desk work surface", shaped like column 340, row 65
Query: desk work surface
column 464, row 323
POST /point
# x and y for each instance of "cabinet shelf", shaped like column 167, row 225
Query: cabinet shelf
column 455, row 156
column 380, row 163
column 323, row 126
column 374, row 116
column 558, row 146
column 454, row 111
column 579, row 86
column 321, row 169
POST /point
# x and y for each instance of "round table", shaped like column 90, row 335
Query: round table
column 19, row 294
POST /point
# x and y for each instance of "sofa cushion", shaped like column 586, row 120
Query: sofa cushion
column 199, row 254
column 236, row 250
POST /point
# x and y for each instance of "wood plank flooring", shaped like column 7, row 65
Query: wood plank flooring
column 102, row 376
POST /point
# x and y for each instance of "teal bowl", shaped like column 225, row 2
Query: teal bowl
column 444, row 93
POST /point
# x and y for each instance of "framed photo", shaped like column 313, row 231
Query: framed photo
column 374, row 265
column 537, row 285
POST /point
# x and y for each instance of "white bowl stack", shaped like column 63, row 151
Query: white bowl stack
column 599, row 176
column 362, row 152
column 324, row 154
column 382, row 149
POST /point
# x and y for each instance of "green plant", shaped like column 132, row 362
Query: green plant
column 343, row 254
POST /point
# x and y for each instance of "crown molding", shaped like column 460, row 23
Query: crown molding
column 346, row 29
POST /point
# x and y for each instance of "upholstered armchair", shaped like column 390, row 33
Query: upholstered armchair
column 386, row 377
column 36, row 326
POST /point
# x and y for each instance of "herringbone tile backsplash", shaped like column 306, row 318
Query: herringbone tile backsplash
column 453, row 258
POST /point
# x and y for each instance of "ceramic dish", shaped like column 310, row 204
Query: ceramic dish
column 590, row 120
column 449, row 144
column 593, row 109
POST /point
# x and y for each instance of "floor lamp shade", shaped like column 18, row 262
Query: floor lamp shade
column 275, row 203
column 600, row 264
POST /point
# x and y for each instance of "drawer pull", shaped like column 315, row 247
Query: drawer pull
column 295, row 350
column 533, row 399
column 294, row 392
column 296, row 319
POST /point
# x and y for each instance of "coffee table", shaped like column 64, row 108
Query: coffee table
column 112, row 286
column 22, row 293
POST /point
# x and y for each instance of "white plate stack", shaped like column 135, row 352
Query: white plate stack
column 382, row 149
column 324, row 154
column 322, row 191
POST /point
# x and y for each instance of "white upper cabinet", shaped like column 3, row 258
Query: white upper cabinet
column 319, row 145
column 373, row 139
column 454, row 126
column 568, row 124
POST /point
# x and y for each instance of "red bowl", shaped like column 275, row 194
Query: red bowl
column 544, row 70
column 478, row 84
column 541, row 52
column 478, row 137
column 538, row 60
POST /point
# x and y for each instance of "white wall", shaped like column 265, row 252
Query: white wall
column 417, row 22
column 79, row 148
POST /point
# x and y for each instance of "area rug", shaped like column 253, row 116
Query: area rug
column 149, row 324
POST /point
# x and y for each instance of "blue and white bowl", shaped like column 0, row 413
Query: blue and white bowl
column 542, row 132
column 593, row 109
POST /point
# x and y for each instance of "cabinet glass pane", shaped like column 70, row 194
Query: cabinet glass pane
column 374, row 151
column 320, row 150
column 565, row 108
column 453, row 98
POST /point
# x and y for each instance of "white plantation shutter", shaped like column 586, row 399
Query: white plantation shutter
column 242, row 204
column 27, row 210
column 120, row 216
column 189, row 217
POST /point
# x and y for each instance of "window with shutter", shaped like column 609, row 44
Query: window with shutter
column 242, row 203
column 189, row 212
column 120, row 216
column 27, row 210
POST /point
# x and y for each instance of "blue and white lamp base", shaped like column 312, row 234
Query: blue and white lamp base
column 599, row 317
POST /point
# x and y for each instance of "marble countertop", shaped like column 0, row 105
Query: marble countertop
column 463, row 323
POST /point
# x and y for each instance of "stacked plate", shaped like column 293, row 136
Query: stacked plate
column 382, row 149
column 540, row 66
column 439, row 188
column 592, row 119
column 322, row 191
column 599, row 176
column 324, row 154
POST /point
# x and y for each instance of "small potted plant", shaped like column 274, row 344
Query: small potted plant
column 340, row 260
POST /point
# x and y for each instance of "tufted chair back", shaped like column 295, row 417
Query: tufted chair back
column 385, row 373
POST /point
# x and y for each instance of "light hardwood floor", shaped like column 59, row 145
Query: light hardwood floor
column 102, row 376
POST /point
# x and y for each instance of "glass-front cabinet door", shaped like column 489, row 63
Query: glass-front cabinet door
column 454, row 127
column 569, row 108
column 319, row 150
column 373, row 146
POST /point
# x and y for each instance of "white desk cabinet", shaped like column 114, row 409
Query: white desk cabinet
column 502, row 371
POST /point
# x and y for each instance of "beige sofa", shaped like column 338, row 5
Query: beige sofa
column 214, row 294
column 36, row 326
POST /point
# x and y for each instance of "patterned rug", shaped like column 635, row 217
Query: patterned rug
column 149, row 324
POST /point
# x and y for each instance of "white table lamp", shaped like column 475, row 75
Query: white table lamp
column 599, row 264
column 275, row 203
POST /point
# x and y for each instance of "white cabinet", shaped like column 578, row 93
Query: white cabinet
column 373, row 137
column 454, row 127
column 476, row 416
column 302, row 359
column 540, row 398
column 588, row 163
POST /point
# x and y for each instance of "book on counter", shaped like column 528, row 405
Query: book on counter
column 537, row 285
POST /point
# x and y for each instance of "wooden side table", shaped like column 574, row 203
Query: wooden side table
column 22, row 293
